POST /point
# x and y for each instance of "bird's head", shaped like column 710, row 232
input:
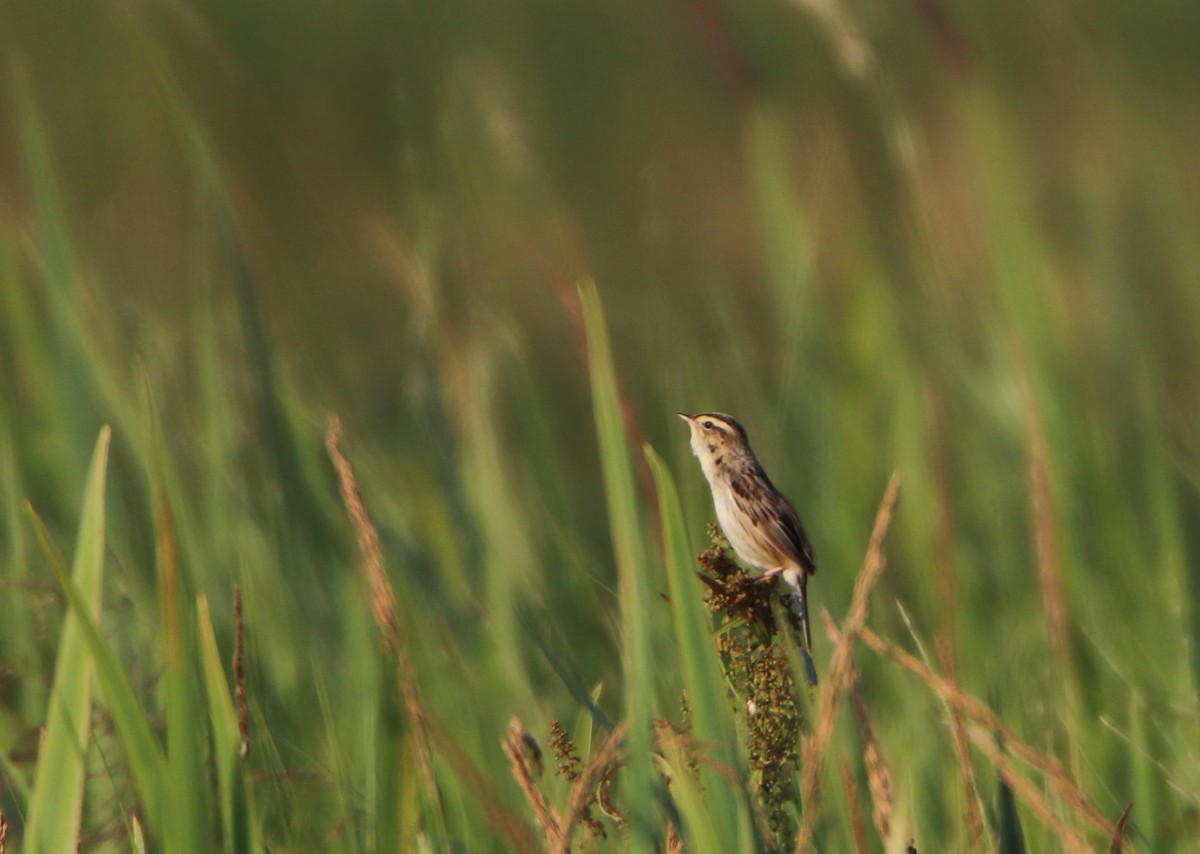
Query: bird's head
column 716, row 439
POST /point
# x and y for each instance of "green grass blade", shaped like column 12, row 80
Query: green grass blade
column 55, row 809
column 239, row 818
column 569, row 678
column 15, row 783
column 20, row 642
column 146, row 761
column 625, row 522
column 698, row 813
column 712, row 722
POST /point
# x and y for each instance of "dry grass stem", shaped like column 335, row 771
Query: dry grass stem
column 975, row 709
column 383, row 602
column 952, row 46
column 239, row 674
column 521, row 750
column 602, row 763
column 674, row 840
column 1118, row 840
column 945, row 572
column 514, row 745
column 666, row 734
column 879, row 775
column 850, row 45
column 974, row 813
column 3, row 831
column 815, row 745
column 511, row 826
column 856, row 822
column 1045, row 533
column 1048, row 548
column 1068, row 837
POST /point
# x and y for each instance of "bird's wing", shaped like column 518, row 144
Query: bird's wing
column 789, row 522
column 775, row 513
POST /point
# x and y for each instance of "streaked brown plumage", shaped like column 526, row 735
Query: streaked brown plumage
column 760, row 524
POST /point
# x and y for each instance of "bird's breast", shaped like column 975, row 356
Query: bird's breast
column 747, row 541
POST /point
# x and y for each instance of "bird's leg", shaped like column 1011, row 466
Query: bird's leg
column 769, row 574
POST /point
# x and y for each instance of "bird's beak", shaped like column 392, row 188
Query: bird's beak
column 685, row 417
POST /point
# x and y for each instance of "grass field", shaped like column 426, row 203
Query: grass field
column 342, row 502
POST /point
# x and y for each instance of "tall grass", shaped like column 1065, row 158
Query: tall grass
column 55, row 806
column 954, row 242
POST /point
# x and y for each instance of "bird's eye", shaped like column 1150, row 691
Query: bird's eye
column 708, row 425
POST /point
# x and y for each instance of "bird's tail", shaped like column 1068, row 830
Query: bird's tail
column 798, row 583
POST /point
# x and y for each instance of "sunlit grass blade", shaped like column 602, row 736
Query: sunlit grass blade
column 712, row 721
column 55, row 808
column 239, row 820
column 137, row 843
column 625, row 522
column 147, row 763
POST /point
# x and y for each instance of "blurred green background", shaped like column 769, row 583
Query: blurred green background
column 954, row 239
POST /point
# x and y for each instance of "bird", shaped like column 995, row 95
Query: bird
column 759, row 522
